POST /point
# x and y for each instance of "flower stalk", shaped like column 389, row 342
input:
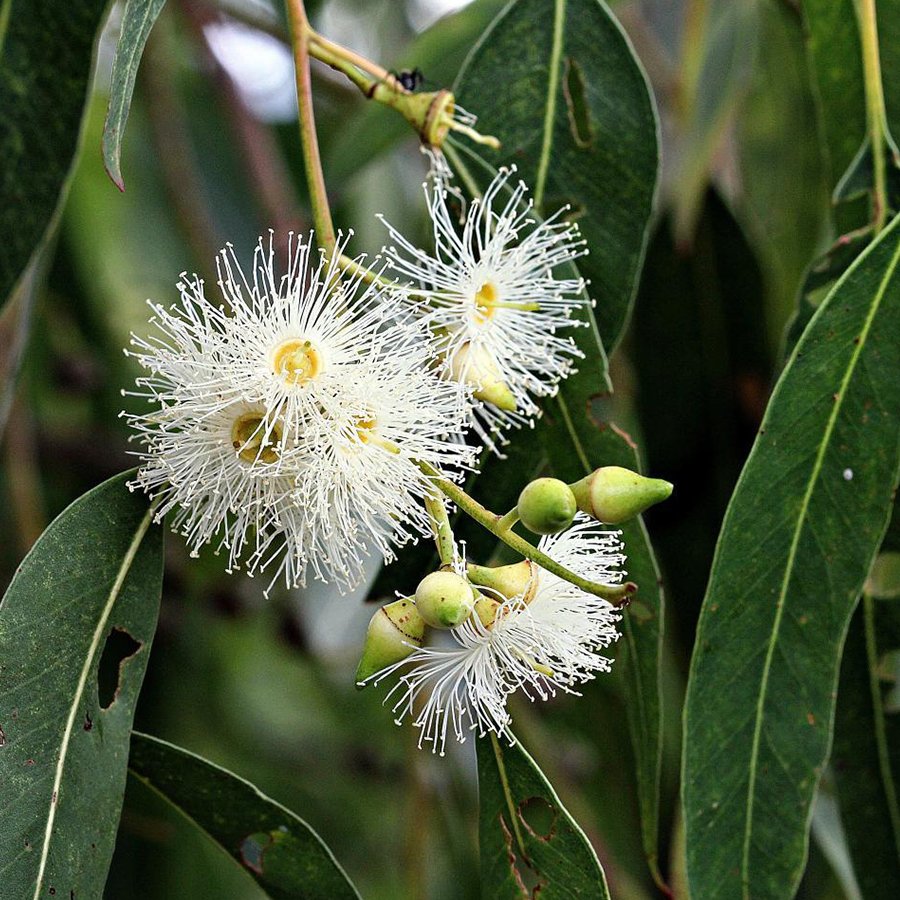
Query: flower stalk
column 618, row 594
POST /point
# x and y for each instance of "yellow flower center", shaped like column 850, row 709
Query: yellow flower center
column 365, row 428
column 297, row 360
column 485, row 298
column 249, row 439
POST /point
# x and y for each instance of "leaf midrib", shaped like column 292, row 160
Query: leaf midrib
column 93, row 648
column 540, row 181
column 795, row 540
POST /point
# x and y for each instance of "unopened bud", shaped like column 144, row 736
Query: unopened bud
column 394, row 632
column 515, row 580
column 444, row 599
column 612, row 494
column 476, row 367
column 547, row 506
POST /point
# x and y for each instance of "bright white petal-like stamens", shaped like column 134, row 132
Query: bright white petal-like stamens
column 287, row 425
column 491, row 289
column 290, row 340
column 551, row 643
column 361, row 487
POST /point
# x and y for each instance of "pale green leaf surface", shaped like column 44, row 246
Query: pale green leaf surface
column 800, row 534
column 44, row 75
column 570, row 104
column 528, row 840
column 272, row 844
column 96, row 569
column 138, row 17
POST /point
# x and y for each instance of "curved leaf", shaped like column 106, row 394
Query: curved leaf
column 800, row 534
column 571, row 106
column 46, row 56
column 88, row 590
column 530, row 845
column 285, row 856
column 138, row 18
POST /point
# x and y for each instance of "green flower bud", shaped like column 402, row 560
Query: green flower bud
column 477, row 368
column 444, row 599
column 547, row 506
column 394, row 632
column 612, row 494
column 516, row 580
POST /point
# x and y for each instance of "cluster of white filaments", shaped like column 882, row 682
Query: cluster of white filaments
column 548, row 638
column 498, row 289
column 289, row 421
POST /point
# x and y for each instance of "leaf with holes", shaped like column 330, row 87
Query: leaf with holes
column 530, row 845
column 138, row 18
column 75, row 631
column 799, row 537
column 570, row 104
column 42, row 69
column 285, row 856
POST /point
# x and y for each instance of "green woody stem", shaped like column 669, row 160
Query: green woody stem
column 443, row 533
column 312, row 161
column 617, row 594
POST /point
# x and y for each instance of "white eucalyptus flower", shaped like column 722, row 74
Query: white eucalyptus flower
column 293, row 342
column 552, row 641
column 494, row 299
column 289, row 425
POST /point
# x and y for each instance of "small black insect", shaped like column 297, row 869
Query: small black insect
column 410, row 79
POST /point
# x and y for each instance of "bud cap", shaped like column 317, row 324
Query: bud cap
column 444, row 599
column 547, row 506
column 614, row 495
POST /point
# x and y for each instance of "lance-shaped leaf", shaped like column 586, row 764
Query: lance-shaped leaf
column 866, row 756
column 803, row 526
column 570, row 104
column 530, row 845
column 272, row 844
column 46, row 55
column 138, row 17
column 75, row 631
column 596, row 445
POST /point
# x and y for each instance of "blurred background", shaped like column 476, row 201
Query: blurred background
column 265, row 688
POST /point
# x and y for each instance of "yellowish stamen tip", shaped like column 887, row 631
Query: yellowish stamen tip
column 485, row 299
column 365, row 428
column 250, row 441
column 297, row 361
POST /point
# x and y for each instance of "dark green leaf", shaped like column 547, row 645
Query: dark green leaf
column 571, row 106
column 888, row 12
column 46, row 57
column 866, row 755
column 76, row 627
column 835, row 58
column 799, row 537
column 530, row 845
column 285, row 856
column 642, row 622
column 138, row 17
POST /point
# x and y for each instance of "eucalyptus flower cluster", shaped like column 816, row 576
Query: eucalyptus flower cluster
column 293, row 419
column 317, row 411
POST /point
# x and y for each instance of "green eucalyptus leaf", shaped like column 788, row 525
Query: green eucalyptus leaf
column 275, row 846
column 800, row 534
column 835, row 60
column 138, row 18
column 571, row 106
column 530, row 845
column 642, row 622
column 76, row 626
column 865, row 759
column 46, row 58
